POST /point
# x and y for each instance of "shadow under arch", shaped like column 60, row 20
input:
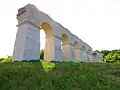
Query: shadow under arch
column 76, row 51
column 49, row 44
column 65, row 47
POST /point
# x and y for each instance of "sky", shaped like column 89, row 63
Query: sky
column 96, row 22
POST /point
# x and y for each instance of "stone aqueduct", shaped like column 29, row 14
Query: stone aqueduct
column 27, row 44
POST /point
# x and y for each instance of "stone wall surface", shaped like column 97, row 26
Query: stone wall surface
column 27, row 44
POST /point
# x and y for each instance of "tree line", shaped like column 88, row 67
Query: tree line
column 110, row 56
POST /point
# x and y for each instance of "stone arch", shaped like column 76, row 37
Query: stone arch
column 65, row 46
column 65, row 39
column 49, row 44
column 47, row 28
column 76, row 51
column 27, row 45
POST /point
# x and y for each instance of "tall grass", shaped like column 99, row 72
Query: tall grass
column 59, row 76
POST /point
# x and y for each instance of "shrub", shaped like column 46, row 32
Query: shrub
column 7, row 60
column 47, row 66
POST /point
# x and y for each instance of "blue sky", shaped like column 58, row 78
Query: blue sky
column 96, row 22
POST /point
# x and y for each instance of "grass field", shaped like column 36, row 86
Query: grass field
column 59, row 76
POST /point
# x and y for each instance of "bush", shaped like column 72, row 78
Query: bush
column 7, row 60
column 47, row 66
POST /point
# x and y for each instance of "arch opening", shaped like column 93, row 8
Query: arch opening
column 65, row 47
column 76, row 51
column 48, row 41
column 42, row 43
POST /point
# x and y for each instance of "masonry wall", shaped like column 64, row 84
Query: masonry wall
column 27, row 45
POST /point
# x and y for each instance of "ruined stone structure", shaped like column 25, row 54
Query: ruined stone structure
column 97, row 57
column 27, row 44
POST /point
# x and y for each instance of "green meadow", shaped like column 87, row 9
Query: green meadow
column 59, row 76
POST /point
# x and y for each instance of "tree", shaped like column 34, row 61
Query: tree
column 111, row 56
column 104, row 52
column 42, row 54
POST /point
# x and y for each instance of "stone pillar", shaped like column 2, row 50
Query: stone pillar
column 77, row 54
column 81, row 56
column 88, row 57
column 57, row 49
column 52, row 50
column 72, row 55
column 27, row 44
column 68, row 52
column 65, row 52
column 85, row 56
column 49, row 49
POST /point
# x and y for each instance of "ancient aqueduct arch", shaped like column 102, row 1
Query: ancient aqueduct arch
column 27, row 44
